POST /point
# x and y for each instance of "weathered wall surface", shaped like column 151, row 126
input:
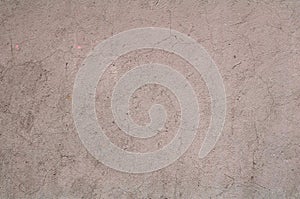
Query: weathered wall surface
column 256, row 46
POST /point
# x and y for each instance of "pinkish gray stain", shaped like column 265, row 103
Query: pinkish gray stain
column 255, row 46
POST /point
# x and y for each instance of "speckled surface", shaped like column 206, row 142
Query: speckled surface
column 256, row 46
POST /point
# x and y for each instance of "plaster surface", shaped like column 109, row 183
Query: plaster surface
column 255, row 45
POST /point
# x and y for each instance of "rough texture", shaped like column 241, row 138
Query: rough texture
column 255, row 45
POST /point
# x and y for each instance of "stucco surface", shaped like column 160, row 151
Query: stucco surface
column 255, row 45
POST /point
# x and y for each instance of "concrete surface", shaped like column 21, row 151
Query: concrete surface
column 256, row 46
